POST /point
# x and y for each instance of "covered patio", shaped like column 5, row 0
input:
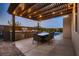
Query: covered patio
column 60, row 45
column 45, row 11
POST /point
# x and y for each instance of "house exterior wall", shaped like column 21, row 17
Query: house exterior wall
column 75, row 35
column 67, row 27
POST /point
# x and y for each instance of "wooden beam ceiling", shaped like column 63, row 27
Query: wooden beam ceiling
column 40, row 11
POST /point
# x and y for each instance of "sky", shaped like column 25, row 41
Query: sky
column 50, row 23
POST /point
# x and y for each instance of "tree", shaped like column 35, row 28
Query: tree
column 17, row 25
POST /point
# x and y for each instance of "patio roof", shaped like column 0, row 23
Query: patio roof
column 40, row 11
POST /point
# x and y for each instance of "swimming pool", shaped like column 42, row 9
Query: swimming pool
column 57, row 33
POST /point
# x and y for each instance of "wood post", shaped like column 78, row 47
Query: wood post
column 38, row 26
column 13, row 27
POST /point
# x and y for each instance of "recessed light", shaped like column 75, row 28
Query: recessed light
column 29, row 16
column 53, row 12
column 69, row 5
column 14, row 12
column 40, row 15
column 29, row 10
column 34, row 12
column 61, row 13
column 51, row 4
column 22, row 6
column 21, row 15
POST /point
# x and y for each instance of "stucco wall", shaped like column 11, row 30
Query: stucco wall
column 69, row 22
column 75, row 40
column 75, row 35
column 67, row 27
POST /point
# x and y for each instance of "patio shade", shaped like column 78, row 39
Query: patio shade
column 40, row 11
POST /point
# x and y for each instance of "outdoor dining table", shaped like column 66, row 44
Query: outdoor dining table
column 43, row 36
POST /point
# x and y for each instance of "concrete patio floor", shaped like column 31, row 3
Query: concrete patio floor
column 9, row 49
column 58, row 47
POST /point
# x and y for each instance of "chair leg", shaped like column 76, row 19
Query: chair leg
column 33, row 41
column 49, row 41
column 38, row 42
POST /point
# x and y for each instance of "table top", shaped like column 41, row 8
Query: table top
column 43, row 33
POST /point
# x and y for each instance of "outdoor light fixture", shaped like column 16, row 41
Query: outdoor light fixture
column 21, row 15
column 22, row 6
column 29, row 10
column 69, row 5
column 14, row 12
column 53, row 13
column 51, row 4
column 40, row 16
column 34, row 12
column 29, row 16
column 61, row 13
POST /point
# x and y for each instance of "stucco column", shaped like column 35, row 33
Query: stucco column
column 73, row 15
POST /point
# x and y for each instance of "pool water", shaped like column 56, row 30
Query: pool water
column 57, row 33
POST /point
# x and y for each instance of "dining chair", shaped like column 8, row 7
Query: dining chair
column 50, row 37
column 36, row 38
